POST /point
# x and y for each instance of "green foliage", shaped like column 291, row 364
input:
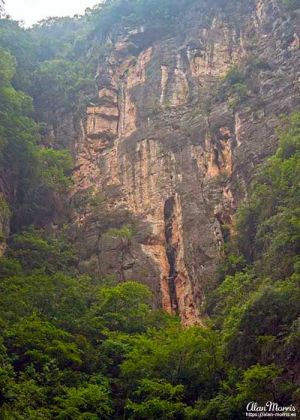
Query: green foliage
column 7, row 67
column 74, row 346
column 240, row 80
column 124, row 307
column 257, row 306
column 37, row 251
column 35, row 342
column 239, row 94
column 234, row 76
column 125, row 232
column 64, row 329
column 61, row 330
column 59, row 84
column 291, row 4
column 35, row 174
column 234, row 87
column 258, row 383
column 189, row 357
column 149, row 12
column 156, row 399
column 19, row 43
column 55, row 37
column 269, row 222
column 54, row 168
column 91, row 401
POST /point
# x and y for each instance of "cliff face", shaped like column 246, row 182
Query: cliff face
column 168, row 149
column 4, row 224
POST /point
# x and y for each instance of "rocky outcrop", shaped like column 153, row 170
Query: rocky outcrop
column 163, row 142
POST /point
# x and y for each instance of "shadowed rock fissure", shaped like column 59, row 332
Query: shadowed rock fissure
column 204, row 140
column 171, row 251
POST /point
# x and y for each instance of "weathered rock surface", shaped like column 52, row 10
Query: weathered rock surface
column 163, row 145
column 4, row 223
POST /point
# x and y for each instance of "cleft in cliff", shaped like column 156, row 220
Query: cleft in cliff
column 180, row 122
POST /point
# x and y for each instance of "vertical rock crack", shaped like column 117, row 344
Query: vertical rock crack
column 171, row 251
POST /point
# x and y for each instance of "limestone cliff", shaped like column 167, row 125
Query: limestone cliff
column 4, row 223
column 167, row 146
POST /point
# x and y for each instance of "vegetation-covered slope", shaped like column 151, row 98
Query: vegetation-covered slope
column 85, row 347
column 79, row 347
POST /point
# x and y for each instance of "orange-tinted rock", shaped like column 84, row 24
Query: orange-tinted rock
column 154, row 148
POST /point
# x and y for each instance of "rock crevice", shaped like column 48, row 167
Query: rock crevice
column 168, row 145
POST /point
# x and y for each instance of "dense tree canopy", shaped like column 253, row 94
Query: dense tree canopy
column 76, row 346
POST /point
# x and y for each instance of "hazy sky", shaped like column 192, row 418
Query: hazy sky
column 31, row 11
